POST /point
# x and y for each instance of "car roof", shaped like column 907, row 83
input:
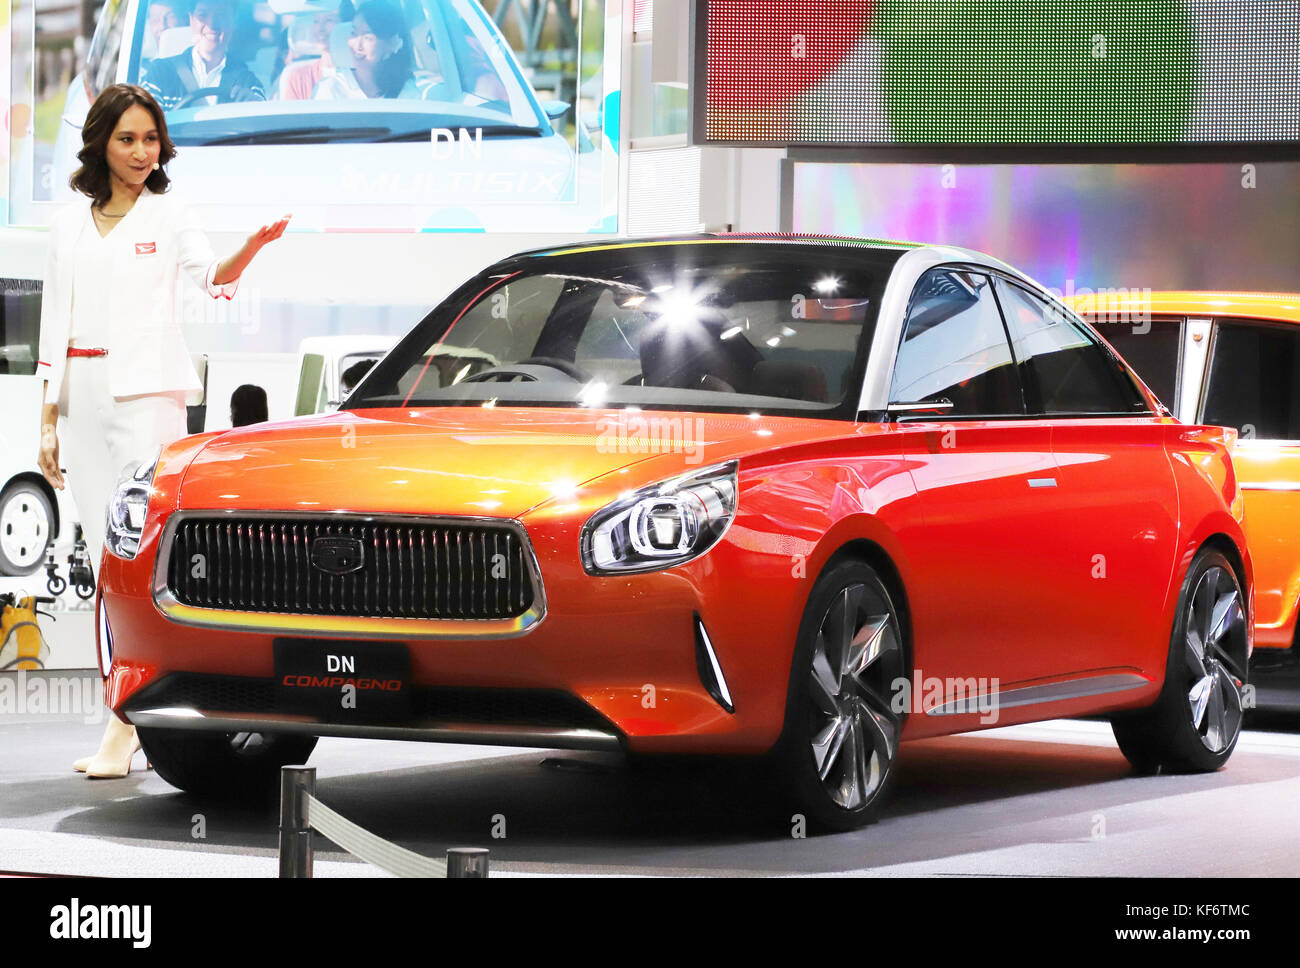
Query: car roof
column 940, row 253
column 1280, row 306
column 755, row 238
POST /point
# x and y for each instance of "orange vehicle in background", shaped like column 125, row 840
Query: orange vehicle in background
column 1231, row 359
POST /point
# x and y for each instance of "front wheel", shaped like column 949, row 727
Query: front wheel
column 837, row 754
column 26, row 528
column 1194, row 725
column 228, row 765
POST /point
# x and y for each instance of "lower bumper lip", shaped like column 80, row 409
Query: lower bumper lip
column 487, row 734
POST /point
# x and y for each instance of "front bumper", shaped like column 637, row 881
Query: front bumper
column 612, row 663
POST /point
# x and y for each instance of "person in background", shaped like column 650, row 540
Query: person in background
column 163, row 15
column 350, row 377
column 112, row 353
column 300, row 76
column 383, row 65
column 205, row 64
column 247, row 405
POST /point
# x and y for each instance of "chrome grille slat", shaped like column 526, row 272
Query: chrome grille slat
column 438, row 570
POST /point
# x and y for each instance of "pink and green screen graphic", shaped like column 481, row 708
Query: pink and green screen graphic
column 1002, row 72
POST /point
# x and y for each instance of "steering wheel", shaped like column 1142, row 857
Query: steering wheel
column 193, row 96
column 531, row 370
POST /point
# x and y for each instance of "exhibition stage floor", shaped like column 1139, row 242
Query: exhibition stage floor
column 1047, row 799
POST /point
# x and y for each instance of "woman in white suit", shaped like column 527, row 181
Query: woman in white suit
column 114, row 360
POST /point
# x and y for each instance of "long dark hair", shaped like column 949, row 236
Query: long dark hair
column 386, row 21
column 91, row 178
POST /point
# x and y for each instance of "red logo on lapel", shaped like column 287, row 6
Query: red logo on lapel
column 146, row 248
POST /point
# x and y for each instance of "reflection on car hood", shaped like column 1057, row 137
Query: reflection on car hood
column 469, row 460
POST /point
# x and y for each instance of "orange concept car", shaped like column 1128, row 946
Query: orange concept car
column 790, row 498
column 1233, row 359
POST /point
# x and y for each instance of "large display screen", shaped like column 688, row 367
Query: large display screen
column 1077, row 228
column 434, row 115
column 999, row 72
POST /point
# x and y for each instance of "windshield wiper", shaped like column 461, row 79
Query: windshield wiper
column 290, row 136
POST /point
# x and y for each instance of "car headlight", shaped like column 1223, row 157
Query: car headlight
column 662, row 525
column 128, row 507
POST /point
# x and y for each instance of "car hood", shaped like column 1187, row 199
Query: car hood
column 498, row 462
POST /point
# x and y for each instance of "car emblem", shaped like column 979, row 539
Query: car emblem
column 338, row 556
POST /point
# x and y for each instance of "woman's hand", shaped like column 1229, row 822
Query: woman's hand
column 232, row 268
column 267, row 233
column 48, row 461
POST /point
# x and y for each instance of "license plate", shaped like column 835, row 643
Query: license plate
column 340, row 680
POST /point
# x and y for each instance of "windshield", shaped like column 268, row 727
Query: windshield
column 296, row 71
column 707, row 326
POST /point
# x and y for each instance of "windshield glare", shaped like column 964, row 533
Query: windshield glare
column 437, row 56
column 766, row 329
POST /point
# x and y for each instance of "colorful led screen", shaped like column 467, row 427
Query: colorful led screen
column 1000, row 72
column 1190, row 226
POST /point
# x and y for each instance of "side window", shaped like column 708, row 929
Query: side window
column 955, row 347
column 309, row 383
column 1067, row 368
column 1154, row 350
column 1254, row 381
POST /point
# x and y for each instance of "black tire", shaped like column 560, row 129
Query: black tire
column 56, row 585
column 838, row 785
column 26, row 498
column 1178, row 734
column 227, row 765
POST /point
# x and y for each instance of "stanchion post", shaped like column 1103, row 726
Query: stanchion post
column 297, row 783
column 467, row 862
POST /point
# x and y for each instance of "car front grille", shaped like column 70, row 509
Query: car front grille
column 408, row 569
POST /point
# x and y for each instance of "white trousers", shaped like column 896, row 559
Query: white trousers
column 103, row 435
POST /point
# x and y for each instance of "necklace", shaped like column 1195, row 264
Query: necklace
column 107, row 215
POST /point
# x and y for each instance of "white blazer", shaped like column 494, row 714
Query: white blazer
column 153, row 242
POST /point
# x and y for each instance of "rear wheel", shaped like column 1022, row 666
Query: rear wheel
column 229, row 765
column 1194, row 725
column 838, row 751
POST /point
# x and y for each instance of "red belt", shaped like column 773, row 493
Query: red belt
column 87, row 351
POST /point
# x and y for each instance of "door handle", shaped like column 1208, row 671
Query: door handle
column 1042, row 482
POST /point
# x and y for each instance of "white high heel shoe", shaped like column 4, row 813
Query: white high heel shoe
column 116, row 749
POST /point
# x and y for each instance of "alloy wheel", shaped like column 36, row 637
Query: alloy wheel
column 1216, row 630
column 854, row 730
